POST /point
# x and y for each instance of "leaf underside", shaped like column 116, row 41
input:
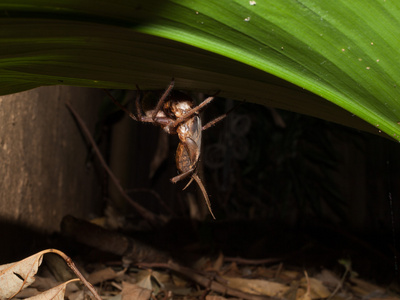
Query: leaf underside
column 286, row 54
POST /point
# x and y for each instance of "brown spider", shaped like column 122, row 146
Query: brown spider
column 176, row 114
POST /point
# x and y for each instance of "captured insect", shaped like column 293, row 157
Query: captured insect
column 176, row 113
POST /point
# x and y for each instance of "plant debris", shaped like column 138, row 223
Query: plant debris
column 212, row 279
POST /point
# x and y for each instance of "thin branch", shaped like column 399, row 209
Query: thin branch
column 246, row 261
column 145, row 213
column 105, row 240
column 155, row 194
column 73, row 267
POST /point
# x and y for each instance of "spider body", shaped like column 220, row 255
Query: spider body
column 177, row 114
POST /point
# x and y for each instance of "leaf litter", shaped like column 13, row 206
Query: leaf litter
column 15, row 277
column 212, row 279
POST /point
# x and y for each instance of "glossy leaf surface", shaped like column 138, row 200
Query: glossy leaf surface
column 343, row 51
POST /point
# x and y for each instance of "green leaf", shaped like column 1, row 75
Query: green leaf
column 263, row 51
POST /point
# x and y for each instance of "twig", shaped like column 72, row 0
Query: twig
column 112, row 242
column 204, row 281
column 73, row 267
column 145, row 213
column 245, row 261
column 155, row 194
column 340, row 283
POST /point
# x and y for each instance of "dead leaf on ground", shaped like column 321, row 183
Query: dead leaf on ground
column 56, row 293
column 133, row 291
column 317, row 288
column 329, row 278
column 28, row 292
column 44, row 283
column 213, row 297
column 363, row 288
column 152, row 280
column 104, row 275
column 288, row 275
column 257, row 286
column 77, row 295
column 16, row 276
column 219, row 262
column 232, row 270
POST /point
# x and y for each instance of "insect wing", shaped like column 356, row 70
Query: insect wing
column 195, row 131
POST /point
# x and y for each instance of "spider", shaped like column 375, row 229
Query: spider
column 176, row 113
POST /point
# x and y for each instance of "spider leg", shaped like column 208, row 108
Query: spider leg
column 215, row 121
column 194, row 110
column 220, row 118
column 162, row 99
column 121, row 106
column 181, row 176
column 163, row 121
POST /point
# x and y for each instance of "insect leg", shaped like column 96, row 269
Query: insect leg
column 187, row 184
column 162, row 99
column 203, row 189
column 181, row 176
column 194, row 110
column 163, row 121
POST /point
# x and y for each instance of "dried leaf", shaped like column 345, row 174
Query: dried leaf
column 103, row 275
column 329, row 278
column 257, row 286
column 364, row 288
column 383, row 297
column 16, row 276
column 179, row 282
column 27, row 292
column 56, row 293
column 151, row 280
column 317, row 288
column 144, row 279
column 213, row 297
column 133, row 291
column 44, row 283
column 219, row 262
column 232, row 270
column 265, row 272
column 77, row 295
column 116, row 297
column 288, row 275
